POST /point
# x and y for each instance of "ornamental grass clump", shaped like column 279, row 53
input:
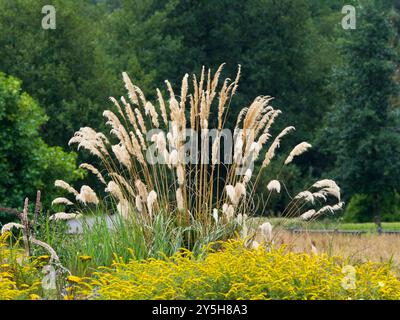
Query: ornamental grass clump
column 175, row 157
column 236, row 272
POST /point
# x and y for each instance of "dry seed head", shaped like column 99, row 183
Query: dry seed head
column 141, row 121
column 162, row 107
column 180, row 172
column 325, row 183
column 123, row 208
column 179, row 199
column 215, row 215
column 115, row 102
column 266, row 231
column 122, row 182
column 150, row 110
column 184, row 91
column 274, row 185
column 275, row 145
column 215, row 150
column 8, row 226
column 306, row 195
column 141, row 94
column 138, row 203
column 308, row 214
column 247, row 176
column 141, row 139
column 63, row 216
column 122, row 155
column 236, row 80
column 151, row 200
column 64, row 185
column 87, row 195
column 297, row 150
column 61, row 200
column 92, row 169
column 229, row 211
column 131, row 90
column 142, row 189
column 114, row 190
column 235, row 192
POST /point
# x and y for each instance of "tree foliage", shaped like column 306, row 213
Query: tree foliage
column 362, row 129
column 27, row 163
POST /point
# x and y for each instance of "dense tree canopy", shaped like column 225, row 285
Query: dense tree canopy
column 362, row 128
column 294, row 50
column 27, row 164
column 63, row 68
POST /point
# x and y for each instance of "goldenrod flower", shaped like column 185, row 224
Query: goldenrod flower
column 44, row 257
column 85, row 258
column 74, row 279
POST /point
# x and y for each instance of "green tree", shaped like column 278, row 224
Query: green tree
column 27, row 164
column 362, row 134
column 63, row 69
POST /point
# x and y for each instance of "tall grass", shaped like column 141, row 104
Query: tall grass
column 153, row 183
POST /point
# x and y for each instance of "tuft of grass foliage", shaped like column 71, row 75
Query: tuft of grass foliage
column 103, row 237
column 236, row 272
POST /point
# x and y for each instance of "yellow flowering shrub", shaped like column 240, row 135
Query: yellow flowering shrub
column 19, row 277
column 235, row 272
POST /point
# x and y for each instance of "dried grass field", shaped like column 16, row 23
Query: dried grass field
column 356, row 248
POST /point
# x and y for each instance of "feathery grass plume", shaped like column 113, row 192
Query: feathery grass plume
column 308, row 214
column 180, row 172
column 139, row 203
column 63, row 216
column 121, row 181
column 297, row 150
column 266, row 231
column 92, row 169
column 141, row 121
column 9, row 226
column 236, row 80
column 215, row 215
column 179, row 199
column 142, row 189
column 115, row 191
column 274, row 185
column 113, row 100
column 140, row 94
column 190, row 193
column 131, row 90
column 306, row 196
column 275, row 145
column 64, row 185
column 151, row 200
column 229, row 211
column 61, row 200
column 162, row 107
column 122, row 155
column 150, row 110
column 328, row 187
column 87, row 195
column 123, row 208
column 330, row 209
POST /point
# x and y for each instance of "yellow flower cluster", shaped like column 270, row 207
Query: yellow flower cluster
column 235, row 272
column 18, row 277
